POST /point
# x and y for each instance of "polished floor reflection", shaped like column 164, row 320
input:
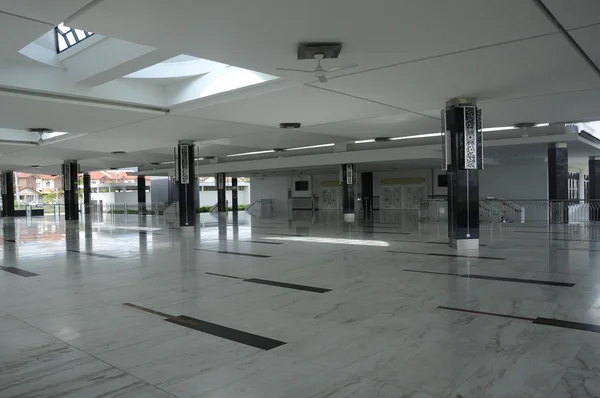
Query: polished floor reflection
column 301, row 306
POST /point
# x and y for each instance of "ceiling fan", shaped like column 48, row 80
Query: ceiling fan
column 320, row 72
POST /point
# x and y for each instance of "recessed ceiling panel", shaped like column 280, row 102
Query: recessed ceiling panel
column 540, row 66
column 306, row 105
column 261, row 35
column 17, row 33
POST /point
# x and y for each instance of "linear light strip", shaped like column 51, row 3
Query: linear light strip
column 250, row 153
column 309, row 147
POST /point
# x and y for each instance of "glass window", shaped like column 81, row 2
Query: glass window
column 67, row 37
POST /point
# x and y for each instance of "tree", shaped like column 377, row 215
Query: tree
column 52, row 197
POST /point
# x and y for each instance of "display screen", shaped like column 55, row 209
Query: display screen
column 301, row 186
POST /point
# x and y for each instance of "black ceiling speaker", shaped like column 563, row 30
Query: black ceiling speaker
column 290, row 125
column 328, row 50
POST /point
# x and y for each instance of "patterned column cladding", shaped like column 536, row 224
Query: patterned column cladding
column 464, row 124
column 184, row 164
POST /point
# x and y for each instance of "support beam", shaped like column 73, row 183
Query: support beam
column 367, row 192
column 234, row 194
column 348, row 182
column 221, row 193
column 558, row 183
column 462, row 156
column 70, row 170
column 187, row 183
column 87, row 190
column 8, row 194
column 594, row 188
column 141, row 194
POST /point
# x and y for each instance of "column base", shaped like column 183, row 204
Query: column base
column 464, row 244
column 349, row 217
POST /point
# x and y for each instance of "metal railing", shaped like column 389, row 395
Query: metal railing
column 500, row 210
column 150, row 208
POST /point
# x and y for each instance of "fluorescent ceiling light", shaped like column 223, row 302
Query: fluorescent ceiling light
column 364, row 141
column 309, row 147
column 499, row 128
column 331, row 240
column 408, row 137
column 542, row 125
column 250, row 153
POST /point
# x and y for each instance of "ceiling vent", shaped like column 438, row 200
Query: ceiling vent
column 118, row 152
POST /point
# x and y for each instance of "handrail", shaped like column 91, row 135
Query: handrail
column 213, row 208
column 508, row 203
column 252, row 204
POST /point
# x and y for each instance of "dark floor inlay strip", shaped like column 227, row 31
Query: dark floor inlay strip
column 518, row 280
column 151, row 311
column 567, row 324
column 224, row 276
column 239, row 336
column 430, row 272
column 289, row 285
column 275, row 283
column 496, row 278
column 19, row 271
column 91, row 254
column 234, row 253
column 266, row 243
column 270, row 233
column 382, row 232
column 538, row 321
column 447, row 255
column 486, row 313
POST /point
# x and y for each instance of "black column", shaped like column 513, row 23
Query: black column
column 8, row 194
column 234, row 194
column 462, row 155
column 221, row 193
column 367, row 192
column 187, row 183
column 348, row 182
column 141, row 194
column 71, row 189
column 558, row 183
column 87, row 191
column 594, row 188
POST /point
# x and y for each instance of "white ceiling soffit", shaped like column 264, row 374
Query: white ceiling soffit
column 18, row 32
column 302, row 104
column 540, row 66
column 52, row 12
column 269, row 39
column 575, row 14
column 23, row 112
column 396, row 125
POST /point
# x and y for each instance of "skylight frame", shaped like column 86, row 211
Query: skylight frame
column 69, row 36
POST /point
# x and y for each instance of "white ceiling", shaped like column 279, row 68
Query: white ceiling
column 413, row 56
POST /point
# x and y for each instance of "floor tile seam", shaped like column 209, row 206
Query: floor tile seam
column 93, row 356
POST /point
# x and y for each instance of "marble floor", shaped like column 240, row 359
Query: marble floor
column 129, row 306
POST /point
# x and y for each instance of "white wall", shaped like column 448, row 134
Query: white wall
column 209, row 198
column 275, row 188
column 119, row 197
column 517, row 181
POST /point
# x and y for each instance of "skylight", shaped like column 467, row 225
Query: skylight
column 67, row 37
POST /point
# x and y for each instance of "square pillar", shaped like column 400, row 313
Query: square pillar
column 234, row 194
column 594, row 188
column 348, row 182
column 221, row 193
column 87, row 190
column 70, row 170
column 462, row 156
column 558, row 183
column 8, row 194
column 187, row 183
column 367, row 192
